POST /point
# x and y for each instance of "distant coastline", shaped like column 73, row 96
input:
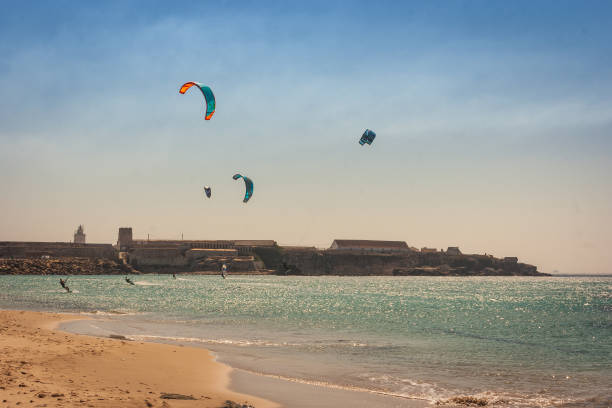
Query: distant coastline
column 577, row 275
column 251, row 257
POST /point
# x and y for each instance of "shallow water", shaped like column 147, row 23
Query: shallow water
column 514, row 341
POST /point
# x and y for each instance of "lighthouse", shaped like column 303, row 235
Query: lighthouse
column 79, row 235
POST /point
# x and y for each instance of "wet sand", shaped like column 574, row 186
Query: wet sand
column 294, row 394
column 42, row 367
column 288, row 393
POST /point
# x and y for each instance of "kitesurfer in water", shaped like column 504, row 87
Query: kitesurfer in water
column 174, row 276
column 223, row 270
column 128, row 280
column 63, row 282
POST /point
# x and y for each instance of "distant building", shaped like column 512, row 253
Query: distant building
column 453, row 251
column 255, row 243
column 370, row 246
column 299, row 248
column 124, row 240
column 510, row 259
column 79, row 235
column 429, row 250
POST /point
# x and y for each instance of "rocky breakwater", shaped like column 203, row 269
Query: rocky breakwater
column 442, row 264
column 341, row 263
column 63, row 266
column 409, row 263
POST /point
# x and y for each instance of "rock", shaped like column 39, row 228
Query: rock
column 118, row 337
column 165, row 395
column 465, row 400
column 412, row 263
column 232, row 404
column 57, row 394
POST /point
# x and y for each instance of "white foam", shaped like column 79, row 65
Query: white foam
column 145, row 283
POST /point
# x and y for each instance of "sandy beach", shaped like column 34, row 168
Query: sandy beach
column 42, row 367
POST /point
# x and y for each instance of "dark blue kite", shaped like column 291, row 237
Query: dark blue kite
column 367, row 137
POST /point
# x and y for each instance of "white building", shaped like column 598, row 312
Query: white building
column 369, row 246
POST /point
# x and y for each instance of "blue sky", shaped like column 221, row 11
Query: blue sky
column 493, row 119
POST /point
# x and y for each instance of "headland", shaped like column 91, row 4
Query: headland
column 343, row 257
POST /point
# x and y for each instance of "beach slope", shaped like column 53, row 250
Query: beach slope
column 43, row 367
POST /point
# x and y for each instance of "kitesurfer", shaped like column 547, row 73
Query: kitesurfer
column 63, row 282
column 223, row 270
column 128, row 280
column 173, row 276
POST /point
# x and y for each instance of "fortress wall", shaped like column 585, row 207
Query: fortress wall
column 56, row 249
column 157, row 257
column 182, row 259
column 198, row 253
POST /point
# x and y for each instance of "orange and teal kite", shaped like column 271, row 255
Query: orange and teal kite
column 208, row 95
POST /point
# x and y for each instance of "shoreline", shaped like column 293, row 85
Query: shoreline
column 89, row 370
column 287, row 391
column 45, row 365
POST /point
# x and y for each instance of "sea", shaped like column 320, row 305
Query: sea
column 512, row 341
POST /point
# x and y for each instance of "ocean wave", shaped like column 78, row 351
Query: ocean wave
column 109, row 313
column 514, row 400
column 414, row 389
column 241, row 343
column 245, row 343
column 328, row 384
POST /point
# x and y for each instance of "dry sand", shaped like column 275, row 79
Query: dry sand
column 40, row 367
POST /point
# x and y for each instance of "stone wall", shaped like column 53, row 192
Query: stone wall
column 187, row 259
column 141, row 257
column 56, row 249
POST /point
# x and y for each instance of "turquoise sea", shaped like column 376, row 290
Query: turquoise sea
column 514, row 341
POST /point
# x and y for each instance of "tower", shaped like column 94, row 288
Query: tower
column 79, row 235
column 124, row 240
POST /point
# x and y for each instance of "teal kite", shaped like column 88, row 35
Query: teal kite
column 208, row 95
column 248, row 184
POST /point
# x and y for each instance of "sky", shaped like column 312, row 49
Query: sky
column 493, row 123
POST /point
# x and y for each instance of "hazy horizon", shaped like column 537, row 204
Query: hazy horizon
column 493, row 122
